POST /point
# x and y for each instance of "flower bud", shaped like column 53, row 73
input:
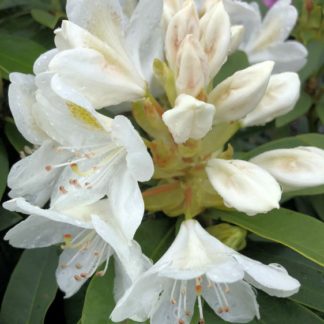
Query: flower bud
column 232, row 236
column 190, row 118
column 192, row 67
column 237, row 34
column 242, row 185
column 240, row 93
column 294, row 168
column 183, row 23
column 215, row 36
column 281, row 96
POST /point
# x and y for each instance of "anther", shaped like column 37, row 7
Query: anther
column 48, row 168
column 63, row 190
column 77, row 277
column 84, row 275
column 181, row 321
column 78, row 265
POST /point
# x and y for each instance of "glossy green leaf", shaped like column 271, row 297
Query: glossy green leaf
column 315, row 60
column 14, row 137
column 300, row 232
column 17, row 54
column 45, row 18
column 302, row 106
column 274, row 311
column 155, row 236
column 4, row 169
column 31, row 289
column 308, row 273
column 99, row 300
column 320, row 111
column 235, row 62
column 7, row 218
column 311, row 139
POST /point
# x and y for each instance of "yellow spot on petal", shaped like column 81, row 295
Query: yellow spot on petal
column 83, row 115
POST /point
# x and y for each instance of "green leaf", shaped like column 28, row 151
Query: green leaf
column 17, row 54
column 4, row 169
column 155, row 236
column 73, row 306
column 45, row 18
column 14, row 137
column 31, row 289
column 7, row 218
column 320, row 111
column 315, row 60
column 273, row 311
column 237, row 61
column 311, row 139
column 302, row 233
column 99, row 301
column 302, row 106
column 308, row 273
column 317, row 203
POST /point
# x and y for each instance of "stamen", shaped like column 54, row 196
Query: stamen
column 77, row 277
column 172, row 299
column 200, row 308
column 63, row 190
column 78, row 265
column 103, row 272
column 198, row 286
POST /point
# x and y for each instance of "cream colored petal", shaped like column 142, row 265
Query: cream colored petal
column 294, row 168
column 185, row 22
column 192, row 67
column 240, row 93
column 281, row 96
column 244, row 186
column 190, row 118
column 215, row 36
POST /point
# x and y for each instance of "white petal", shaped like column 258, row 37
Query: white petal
column 241, row 300
column 21, row 100
column 190, row 118
column 29, row 178
column 237, row 95
column 278, row 53
column 272, row 279
column 193, row 253
column 167, row 312
column 78, row 265
column 242, row 185
column 237, row 34
column 183, row 23
column 144, row 36
column 192, row 67
column 37, row 232
column 99, row 83
column 281, row 96
column 139, row 161
column 67, row 123
column 104, row 19
column 294, row 168
column 75, row 218
column 127, row 200
column 276, row 26
column 215, row 36
column 148, row 287
column 246, row 14
column 41, row 64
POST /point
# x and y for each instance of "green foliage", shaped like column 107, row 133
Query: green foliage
column 4, row 168
column 300, row 232
column 31, row 289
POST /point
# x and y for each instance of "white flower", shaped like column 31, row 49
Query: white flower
column 294, row 168
column 242, row 185
column 205, row 42
column 198, row 266
column 281, row 96
column 266, row 40
column 240, row 93
column 190, row 118
column 116, row 54
column 92, row 233
column 28, row 177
